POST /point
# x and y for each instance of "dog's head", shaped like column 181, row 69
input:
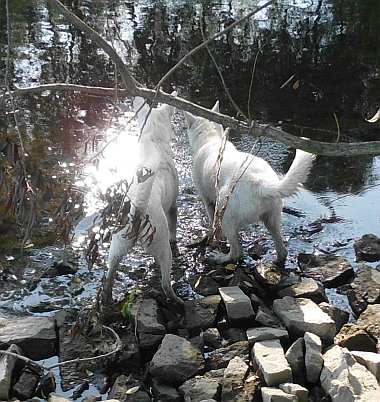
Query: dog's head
column 195, row 122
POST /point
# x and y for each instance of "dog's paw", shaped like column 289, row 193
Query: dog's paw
column 218, row 258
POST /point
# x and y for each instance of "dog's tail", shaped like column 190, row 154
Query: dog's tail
column 297, row 174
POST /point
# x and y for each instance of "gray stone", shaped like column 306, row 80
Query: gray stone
column 276, row 395
column 367, row 248
column 300, row 392
column 220, row 358
column 206, row 286
column 165, row 393
column 370, row 360
column 53, row 397
column 303, row 315
column 355, row 337
column 344, row 379
column 307, row 288
column 265, row 317
column 295, row 356
column 339, row 316
column 201, row 388
column 266, row 334
column 233, row 380
column 26, row 385
column 238, row 304
column 146, row 313
column 201, row 313
column 370, row 318
column 274, row 370
column 212, row 338
column 176, row 360
column 313, row 357
column 234, row 334
column 122, row 387
column 35, row 335
column 332, row 270
column 7, row 365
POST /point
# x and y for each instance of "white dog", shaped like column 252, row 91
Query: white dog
column 152, row 218
column 249, row 189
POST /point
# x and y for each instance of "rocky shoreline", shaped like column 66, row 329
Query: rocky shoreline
column 254, row 336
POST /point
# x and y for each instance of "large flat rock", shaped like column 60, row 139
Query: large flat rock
column 233, row 381
column 313, row 357
column 370, row 360
column 270, row 359
column 270, row 394
column 331, row 270
column 303, row 315
column 307, row 288
column 147, row 317
column 238, row 305
column 266, row 333
column 176, row 360
column 295, row 356
column 370, row 318
column 219, row 358
column 355, row 337
column 202, row 388
column 35, row 335
column 201, row 313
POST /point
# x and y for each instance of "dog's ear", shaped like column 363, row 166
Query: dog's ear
column 216, row 107
column 190, row 118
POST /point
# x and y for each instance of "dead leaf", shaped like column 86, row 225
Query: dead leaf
column 132, row 390
column 230, row 267
column 296, row 85
column 375, row 118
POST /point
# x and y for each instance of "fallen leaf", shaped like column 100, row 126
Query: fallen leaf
column 132, row 390
column 375, row 118
column 230, row 267
column 296, row 85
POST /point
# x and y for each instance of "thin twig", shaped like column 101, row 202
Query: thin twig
column 251, row 83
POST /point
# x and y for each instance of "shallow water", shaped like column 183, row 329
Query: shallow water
column 331, row 48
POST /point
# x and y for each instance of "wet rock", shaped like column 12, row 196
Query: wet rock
column 367, row 248
column 201, row 388
column 371, row 319
column 129, row 356
column 26, row 385
column 270, row 394
column 238, row 305
column 313, row 357
column 307, row 288
column 303, row 315
column 234, row 334
column 128, row 388
column 146, row 313
column 339, row 316
column 201, row 313
column 346, row 380
column 332, row 270
column 355, row 337
column 206, row 286
column 256, row 302
column 300, row 392
column 7, row 366
column 233, row 381
column 295, row 356
column 35, row 335
column 266, row 334
column 53, row 397
column 370, row 360
column 176, row 360
column 265, row 317
column 212, row 338
column 165, row 393
column 274, row 370
column 220, row 358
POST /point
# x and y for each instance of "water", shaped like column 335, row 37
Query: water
column 331, row 48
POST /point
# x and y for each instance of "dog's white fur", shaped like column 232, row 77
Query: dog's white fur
column 258, row 193
column 155, row 197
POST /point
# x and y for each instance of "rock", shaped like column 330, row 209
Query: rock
column 165, row 393
column 256, row 301
column 300, row 392
column 220, row 358
column 313, row 357
column 332, row 270
column 176, row 360
column 26, row 385
column 201, row 388
column 344, row 379
column 276, row 395
column 266, row 334
column 233, row 381
column 295, row 356
column 129, row 356
column 265, row 317
column 53, row 397
column 212, row 338
column 206, row 286
column 234, row 334
column 238, row 305
column 356, row 300
column 368, row 281
column 355, row 337
column 128, row 385
column 146, row 313
column 367, row 248
column 370, row 360
column 371, row 319
column 7, row 366
column 274, row 370
column 339, row 316
column 34, row 335
column 201, row 313
column 307, row 288
column 303, row 315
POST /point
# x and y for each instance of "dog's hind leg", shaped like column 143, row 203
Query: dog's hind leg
column 272, row 221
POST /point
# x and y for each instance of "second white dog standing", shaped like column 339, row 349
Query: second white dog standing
column 153, row 194
column 249, row 188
